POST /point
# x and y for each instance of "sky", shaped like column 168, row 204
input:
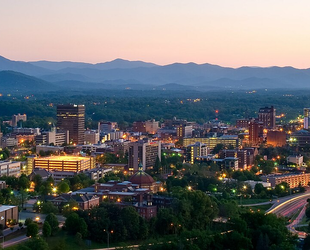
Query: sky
column 230, row 33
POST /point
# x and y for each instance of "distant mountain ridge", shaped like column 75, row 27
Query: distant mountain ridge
column 135, row 74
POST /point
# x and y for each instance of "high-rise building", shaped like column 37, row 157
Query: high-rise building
column 144, row 152
column 72, row 118
column 268, row 117
column 255, row 132
column 306, row 118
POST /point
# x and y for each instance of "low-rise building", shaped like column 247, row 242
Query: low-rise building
column 293, row 180
column 7, row 214
column 295, row 159
column 10, row 168
column 84, row 201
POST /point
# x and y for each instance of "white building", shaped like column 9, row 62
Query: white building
column 296, row 159
column 10, row 168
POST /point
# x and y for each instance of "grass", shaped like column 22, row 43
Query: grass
column 262, row 208
column 303, row 229
column 15, row 234
column 305, row 220
column 252, row 201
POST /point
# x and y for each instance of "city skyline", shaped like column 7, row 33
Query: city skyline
column 226, row 33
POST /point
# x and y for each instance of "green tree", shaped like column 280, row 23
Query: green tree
column 37, row 179
column 46, row 230
column 157, row 165
column 23, row 182
column 36, row 244
column 63, row 187
column 74, row 224
column 48, row 207
column 32, row 230
column 28, row 221
column 259, row 188
column 53, row 221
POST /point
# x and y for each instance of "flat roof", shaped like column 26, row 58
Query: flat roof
column 5, row 207
column 64, row 158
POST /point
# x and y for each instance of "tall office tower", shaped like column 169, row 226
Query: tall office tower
column 306, row 117
column 255, row 132
column 72, row 118
column 268, row 117
column 144, row 152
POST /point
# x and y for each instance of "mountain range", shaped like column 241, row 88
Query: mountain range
column 124, row 74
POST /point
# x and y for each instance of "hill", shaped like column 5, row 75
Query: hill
column 11, row 81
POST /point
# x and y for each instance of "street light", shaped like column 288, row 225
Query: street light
column 108, row 236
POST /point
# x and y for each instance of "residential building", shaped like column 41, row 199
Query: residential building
column 144, row 152
column 196, row 150
column 72, row 118
column 293, row 180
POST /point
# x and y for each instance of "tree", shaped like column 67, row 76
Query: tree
column 28, row 221
column 157, row 165
column 23, row 182
column 259, row 188
column 74, row 224
column 63, row 187
column 53, row 221
column 37, row 179
column 35, row 244
column 217, row 148
column 46, row 230
column 32, row 230
column 48, row 207
column 78, row 239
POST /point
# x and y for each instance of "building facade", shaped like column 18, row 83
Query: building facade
column 10, row 168
column 72, row 118
column 144, row 152
column 268, row 117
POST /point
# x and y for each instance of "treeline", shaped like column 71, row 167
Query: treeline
column 199, row 107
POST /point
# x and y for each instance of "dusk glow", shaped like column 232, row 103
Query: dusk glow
column 227, row 33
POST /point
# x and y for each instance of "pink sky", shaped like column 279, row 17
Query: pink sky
column 223, row 32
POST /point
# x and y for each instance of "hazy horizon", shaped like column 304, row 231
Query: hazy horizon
column 227, row 33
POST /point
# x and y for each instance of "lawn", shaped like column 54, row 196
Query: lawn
column 262, row 208
column 251, row 201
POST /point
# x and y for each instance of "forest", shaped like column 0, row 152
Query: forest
column 127, row 106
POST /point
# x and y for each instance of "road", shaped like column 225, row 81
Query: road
column 286, row 203
column 23, row 215
column 290, row 205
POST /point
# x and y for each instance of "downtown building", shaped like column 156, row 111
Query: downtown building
column 267, row 116
column 144, row 152
column 72, row 118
